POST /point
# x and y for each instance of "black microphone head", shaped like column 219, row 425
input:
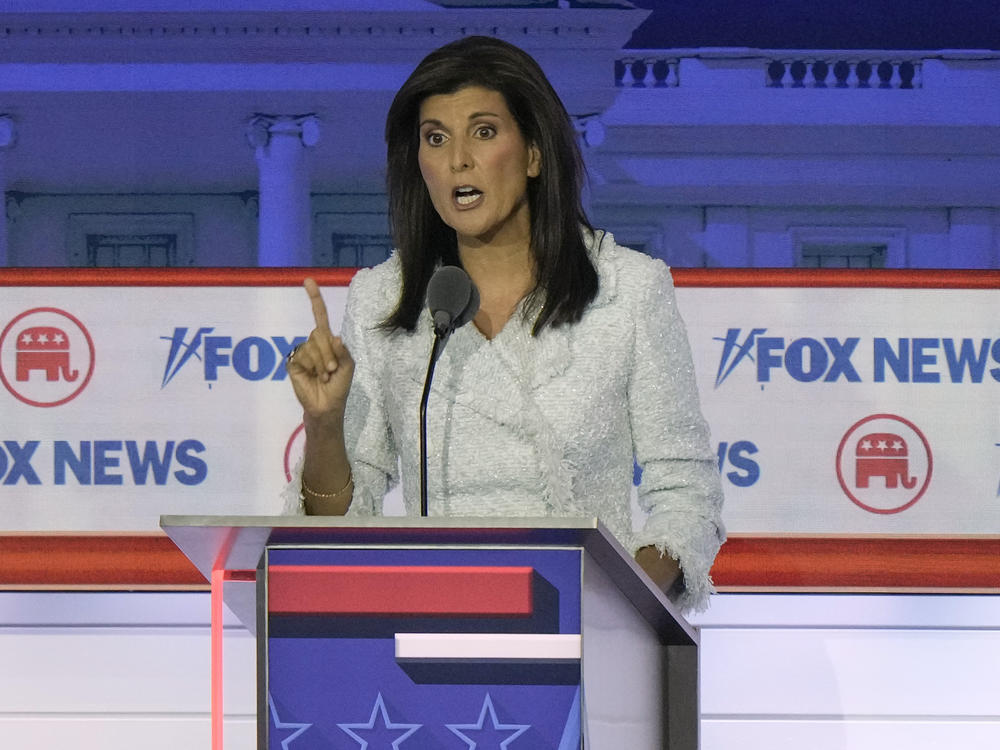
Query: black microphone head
column 452, row 298
column 470, row 309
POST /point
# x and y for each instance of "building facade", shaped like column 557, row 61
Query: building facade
column 241, row 134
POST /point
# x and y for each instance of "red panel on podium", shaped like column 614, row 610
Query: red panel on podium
column 400, row 590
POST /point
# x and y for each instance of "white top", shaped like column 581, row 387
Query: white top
column 544, row 425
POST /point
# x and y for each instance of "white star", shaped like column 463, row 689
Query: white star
column 866, row 445
column 881, row 445
column 896, row 445
column 58, row 338
column 27, row 338
column 279, row 724
column 43, row 338
column 377, row 709
column 519, row 729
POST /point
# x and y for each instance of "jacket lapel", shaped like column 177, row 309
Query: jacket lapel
column 502, row 379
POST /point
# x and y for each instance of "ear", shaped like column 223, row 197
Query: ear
column 534, row 160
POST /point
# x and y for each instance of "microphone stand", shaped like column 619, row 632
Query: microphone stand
column 440, row 339
column 453, row 300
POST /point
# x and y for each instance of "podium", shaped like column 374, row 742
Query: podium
column 429, row 633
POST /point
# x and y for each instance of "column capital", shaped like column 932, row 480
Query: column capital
column 8, row 133
column 590, row 129
column 261, row 127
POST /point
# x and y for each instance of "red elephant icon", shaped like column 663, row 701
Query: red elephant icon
column 44, row 348
column 883, row 454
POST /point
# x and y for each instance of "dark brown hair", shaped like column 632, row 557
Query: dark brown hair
column 566, row 280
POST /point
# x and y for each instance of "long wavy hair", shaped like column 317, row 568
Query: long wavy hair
column 566, row 280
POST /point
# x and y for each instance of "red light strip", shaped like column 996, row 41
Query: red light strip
column 683, row 277
column 67, row 561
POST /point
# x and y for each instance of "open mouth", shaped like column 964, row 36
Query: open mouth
column 466, row 196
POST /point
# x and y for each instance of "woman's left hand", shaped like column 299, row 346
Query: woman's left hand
column 663, row 569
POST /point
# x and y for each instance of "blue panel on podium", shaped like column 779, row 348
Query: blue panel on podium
column 467, row 667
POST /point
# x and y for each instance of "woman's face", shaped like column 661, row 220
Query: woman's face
column 476, row 166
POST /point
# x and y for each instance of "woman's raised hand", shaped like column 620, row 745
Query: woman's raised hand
column 321, row 369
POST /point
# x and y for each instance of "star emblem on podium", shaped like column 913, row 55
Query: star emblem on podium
column 279, row 724
column 485, row 737
column 380, row 729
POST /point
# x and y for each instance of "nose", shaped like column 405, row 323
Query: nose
column 461, row 160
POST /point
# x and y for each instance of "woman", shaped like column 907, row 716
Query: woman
column 576, row 362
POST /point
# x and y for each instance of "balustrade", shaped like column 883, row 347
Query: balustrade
column 645, row 71
column 847, row 73
column 648, row 70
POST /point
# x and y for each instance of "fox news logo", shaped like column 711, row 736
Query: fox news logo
column 103, row 462
column 252, row 358
column 830, row 359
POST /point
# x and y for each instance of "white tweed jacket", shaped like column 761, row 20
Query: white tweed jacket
column 546, row 425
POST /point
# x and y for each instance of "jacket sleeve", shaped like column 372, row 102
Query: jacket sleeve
column 680, row 488
column 371, row 448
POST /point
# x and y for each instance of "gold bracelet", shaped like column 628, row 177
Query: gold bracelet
column 341, row 491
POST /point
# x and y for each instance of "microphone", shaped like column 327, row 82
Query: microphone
column 452, row 298
column 453, row 301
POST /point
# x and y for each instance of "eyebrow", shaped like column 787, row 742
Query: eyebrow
column 473, row 116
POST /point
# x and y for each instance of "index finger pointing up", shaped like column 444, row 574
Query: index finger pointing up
column 318, row 306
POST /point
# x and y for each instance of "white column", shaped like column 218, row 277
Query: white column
column 285, row 220
column 7, row 133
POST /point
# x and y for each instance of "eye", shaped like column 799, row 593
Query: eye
column 485, row 131
column 434, row 138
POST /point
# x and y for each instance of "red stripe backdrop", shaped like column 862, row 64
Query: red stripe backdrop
column 693, row 277
column 745, row 563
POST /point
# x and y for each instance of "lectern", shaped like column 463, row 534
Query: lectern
column 418, row 634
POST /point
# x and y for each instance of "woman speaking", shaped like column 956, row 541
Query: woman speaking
column 575, row 367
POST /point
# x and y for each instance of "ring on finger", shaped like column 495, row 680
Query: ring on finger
column 291, row 355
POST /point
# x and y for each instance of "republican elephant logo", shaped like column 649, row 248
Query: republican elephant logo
column 883, row 454
column 884, row 463
column 46, row 357
column 44, row 348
